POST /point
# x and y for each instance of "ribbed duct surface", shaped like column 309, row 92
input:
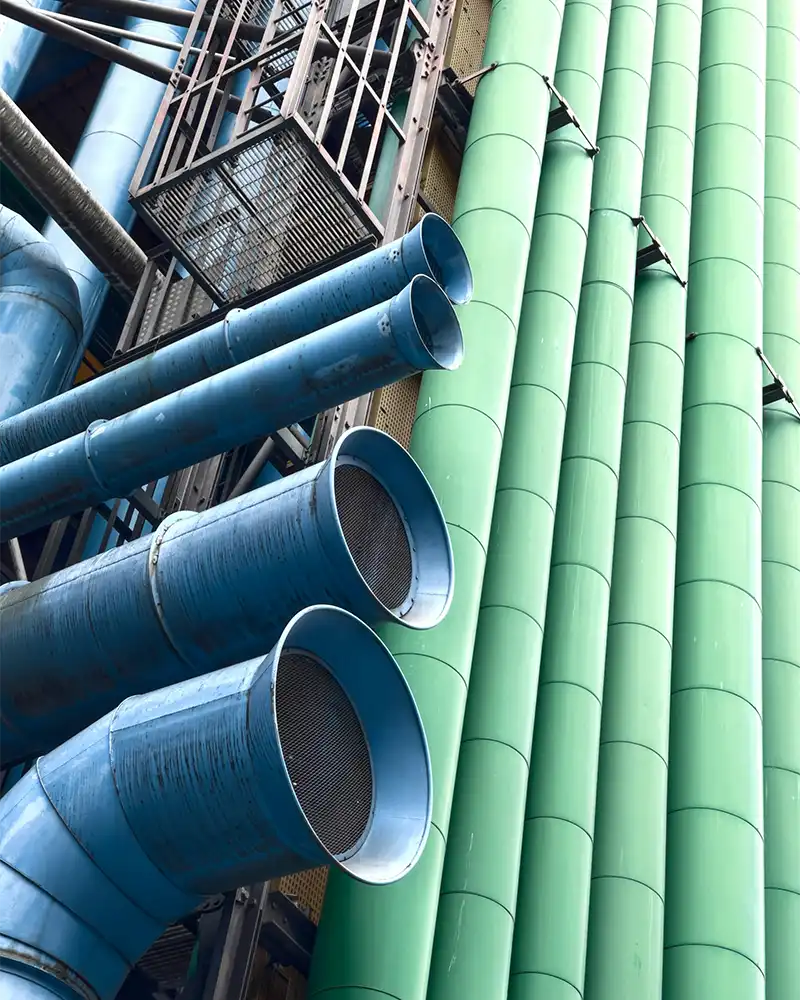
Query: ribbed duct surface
column 375, row 534
column 325, row 751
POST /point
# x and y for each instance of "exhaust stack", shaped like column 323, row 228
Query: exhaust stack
column 362, row 530
column 314, row 754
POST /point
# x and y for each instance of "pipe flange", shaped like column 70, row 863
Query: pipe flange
column 152, row 574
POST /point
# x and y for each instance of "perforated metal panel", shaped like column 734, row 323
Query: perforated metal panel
column 307, row 888
column 469, row 38
column 325, row 751
column 375, row 534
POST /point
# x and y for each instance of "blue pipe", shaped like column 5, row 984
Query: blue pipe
column 19, row 46
column 362, row 530
column 40, row 320
column 416, row 331
column 109, row 151
column 430, row 249
column 104, row 843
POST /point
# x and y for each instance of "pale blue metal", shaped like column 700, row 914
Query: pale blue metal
column 19, row 46
column 416, row 331
column 103, row 845
column 214, row 588
column 40, row 320
column 109, row 151
column 431, row 249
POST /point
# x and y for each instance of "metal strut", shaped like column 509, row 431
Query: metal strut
column 564, row 115
column 655, row 252
column 776, row 390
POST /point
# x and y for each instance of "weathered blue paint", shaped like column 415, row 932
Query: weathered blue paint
column 204, row 591
column 102, row 845
column 417, row 330
column 40, row 319
column 19, row 46
column 431, row 249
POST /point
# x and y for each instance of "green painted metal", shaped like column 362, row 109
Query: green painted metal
column 550, row 940
column 381, row 941
column 476, row 912
column 714, row 919
column 781, row 518
column 626, row 924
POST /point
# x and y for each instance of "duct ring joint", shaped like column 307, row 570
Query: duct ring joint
column 152, row 574
column 41, row 966
column 226, row 334
column 94, row 427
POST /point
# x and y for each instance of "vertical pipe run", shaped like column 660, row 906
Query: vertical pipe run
column 477, row 910
column 781, row 534
column 714, row 919
column 550, row 943
column 372, row 942
column 626, row 928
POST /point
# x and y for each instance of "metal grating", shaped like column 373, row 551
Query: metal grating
column 394, row 408
column 167, row 960
column 256, row 213
column 325, row 751
column 469, row 39
column 375, row 534
column 307, row 889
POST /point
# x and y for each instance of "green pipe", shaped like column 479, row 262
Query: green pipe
column 626, row 915
column 714, row 917
column 781, row 523
column 475, row 922
column 549, row 951
column 380, row 941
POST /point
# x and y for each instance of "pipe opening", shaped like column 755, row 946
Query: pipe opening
column 325, row 752
column 375, row 533
column 446, row 258
column 436, row 323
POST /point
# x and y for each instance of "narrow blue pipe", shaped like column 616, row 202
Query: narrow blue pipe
column 431, row 249
column 109, row 151
column 416, row 331
column 103, row 845
column 19, row 46
column 362, row 530
column 40, row 320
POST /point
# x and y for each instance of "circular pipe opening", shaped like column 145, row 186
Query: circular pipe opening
column 352, row 744
column 393, row 527
column 436, row 323
column 446, row 258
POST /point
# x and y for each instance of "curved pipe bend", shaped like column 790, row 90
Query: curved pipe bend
column 131, row 823
column 40, row 317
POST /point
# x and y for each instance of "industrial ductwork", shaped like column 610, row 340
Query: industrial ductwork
column 417, row 330
column 362, row 530
column 312, row 755
column 40, row 317
column 431, row 249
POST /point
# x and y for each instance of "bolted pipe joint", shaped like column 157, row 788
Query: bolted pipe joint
column 314, row 754
column 362, row 531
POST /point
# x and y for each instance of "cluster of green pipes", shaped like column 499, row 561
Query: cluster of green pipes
column 613, row 703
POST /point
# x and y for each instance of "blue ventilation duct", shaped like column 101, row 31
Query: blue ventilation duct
column 362, row 531
column 312, row 755
column 19, row 46
column 431, row 249
column 109, row 151
column 417, row 330
column 40, row 320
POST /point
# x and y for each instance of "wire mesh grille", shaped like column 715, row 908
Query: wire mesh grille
column 325, row 751
column 375, row 534
column 257, row 214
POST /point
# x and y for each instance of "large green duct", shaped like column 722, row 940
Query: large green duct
column 550, row 940
column 714, row 919
column 781, row 519
column 380, row 941
column 475, row 924
column 626, row 924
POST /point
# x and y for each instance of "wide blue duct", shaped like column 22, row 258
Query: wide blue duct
column 109, row 151
column 431, row 249
column 417, row 330
column 19, row 46
column 40, row 320
column 362, row 530
column 312, row 755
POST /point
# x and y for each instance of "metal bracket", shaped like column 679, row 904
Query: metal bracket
column 564, row 115
column 287, row 933
column 777, row 390
column 655, row 252
column 146, row 506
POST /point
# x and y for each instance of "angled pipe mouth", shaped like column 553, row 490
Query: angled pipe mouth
column 352, row 744
column 439, row 342
column 442, row 256
column 392, row 528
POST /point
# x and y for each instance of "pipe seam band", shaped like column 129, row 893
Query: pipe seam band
column 152, row 575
